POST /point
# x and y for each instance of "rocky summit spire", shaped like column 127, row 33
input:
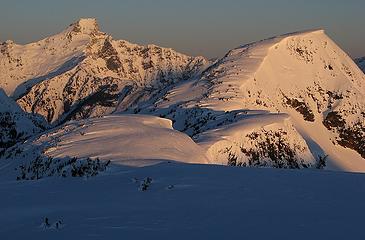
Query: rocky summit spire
column 85, row 26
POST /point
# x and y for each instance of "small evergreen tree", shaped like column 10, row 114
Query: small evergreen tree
column 37, row 166
column 321, row 161
column 145, row 184
column 46, row 223
column 232, row 159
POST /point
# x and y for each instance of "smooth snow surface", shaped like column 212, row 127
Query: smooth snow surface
column 187, row 202
column 133, row 140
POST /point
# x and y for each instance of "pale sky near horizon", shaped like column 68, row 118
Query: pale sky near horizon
column 194, row 27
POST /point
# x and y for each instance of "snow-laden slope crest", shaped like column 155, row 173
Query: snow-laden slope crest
column 128, row 140
column 271, row 71
column 82, row 72
column 304, row 74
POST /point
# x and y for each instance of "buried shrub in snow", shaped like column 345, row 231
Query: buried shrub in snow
column 47, row 225
column 321, row 162
column 42, row 167
column 232, row 159
column 170, row 187
column 145, row 184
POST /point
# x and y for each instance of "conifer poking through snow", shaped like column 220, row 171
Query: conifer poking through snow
column 145, row 184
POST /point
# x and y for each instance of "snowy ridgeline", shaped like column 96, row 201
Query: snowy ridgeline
column 86, row 148
column 292, row 101
column 182, row 201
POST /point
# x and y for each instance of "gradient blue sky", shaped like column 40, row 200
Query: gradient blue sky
column 195, row 27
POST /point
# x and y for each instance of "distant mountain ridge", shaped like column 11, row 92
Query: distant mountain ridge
column 284, row 102
column 83, row 72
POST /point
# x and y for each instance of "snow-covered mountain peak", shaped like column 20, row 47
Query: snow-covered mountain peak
column 82, row 65
column 278, row 38
column 22, row 66
column 85, row 26
column 304, row 32
column 286, row 64
column 303, row 74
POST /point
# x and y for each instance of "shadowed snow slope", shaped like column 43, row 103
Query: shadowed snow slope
column 187, row 202
column 15, row 124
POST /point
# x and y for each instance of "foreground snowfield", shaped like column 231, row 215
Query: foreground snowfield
column 205, row 202
column 180, row 200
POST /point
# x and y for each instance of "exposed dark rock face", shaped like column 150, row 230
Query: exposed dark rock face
column 107, row 50
column 110, row 55
column 272, row 148
column 350, row 137
column 113, row 63
column 334, row 120
column 302, row 108
column 105, row 97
